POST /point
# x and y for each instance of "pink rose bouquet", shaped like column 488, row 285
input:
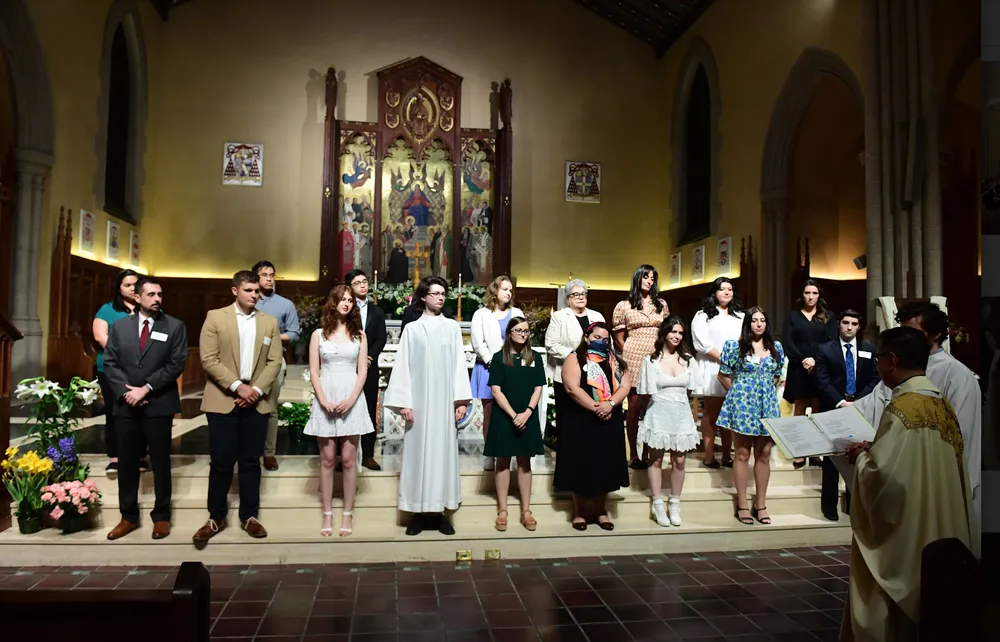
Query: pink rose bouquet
column 69, row 500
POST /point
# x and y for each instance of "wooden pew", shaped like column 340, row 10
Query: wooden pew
column 950, row 592
column 177, row 614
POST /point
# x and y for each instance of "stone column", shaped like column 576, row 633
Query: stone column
column 931, row 203
column 32, row 167
column 776, row 297
column 872, row 160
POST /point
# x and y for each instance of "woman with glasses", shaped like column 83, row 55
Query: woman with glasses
column 636, row 323
column 563, row 337
column 489, row 325
column 517, row 378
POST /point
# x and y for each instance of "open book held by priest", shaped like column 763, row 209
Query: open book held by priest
column 825, row 433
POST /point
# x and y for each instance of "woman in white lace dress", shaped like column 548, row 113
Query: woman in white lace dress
column 668, row 425
column 338, row 366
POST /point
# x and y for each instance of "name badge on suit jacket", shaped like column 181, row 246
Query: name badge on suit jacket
column 864, row 354
column 266, row 341
column 158, row 336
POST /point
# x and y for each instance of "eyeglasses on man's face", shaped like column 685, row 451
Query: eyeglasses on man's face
column 357, row 283
column 436, row 294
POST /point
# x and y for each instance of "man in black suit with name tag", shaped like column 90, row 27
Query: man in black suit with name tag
column 845, row 372
column 143, row 358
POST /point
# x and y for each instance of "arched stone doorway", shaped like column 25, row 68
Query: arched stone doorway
column 34, row 134
column 818, row 78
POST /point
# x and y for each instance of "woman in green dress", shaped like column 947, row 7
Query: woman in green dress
column 517, row 377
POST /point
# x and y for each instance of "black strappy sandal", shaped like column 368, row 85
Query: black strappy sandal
column 713, row 464
column 755, row 512
column 746, row 521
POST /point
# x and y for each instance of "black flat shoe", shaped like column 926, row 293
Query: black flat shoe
column 416, row 525
column 815, row 461
column 580, row 526
column 606, row 526
column 831, row 515
column 727, row 463
column 638, row 464
column 445, row 527
column 712, row 464
column 799, row 464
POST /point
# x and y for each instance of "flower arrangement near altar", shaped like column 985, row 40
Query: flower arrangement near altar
column 393, row 297
column 69, row 503
column 55, row 410
column 957, row 334
column 310, row 311
column 538, row 317
column 25, row 477
column 294, row 414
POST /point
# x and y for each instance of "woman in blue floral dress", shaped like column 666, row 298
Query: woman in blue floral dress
column 749, row 370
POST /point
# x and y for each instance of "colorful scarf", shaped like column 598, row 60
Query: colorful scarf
column 601, row 388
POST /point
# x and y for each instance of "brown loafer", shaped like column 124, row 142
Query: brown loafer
column 254, row 528
column 123, row 528
column 370, row 463
column 208, row 531
column 270, row 462
column 161, row 529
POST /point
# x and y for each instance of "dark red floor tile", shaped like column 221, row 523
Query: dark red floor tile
column 606, row 631
column 712, row 578
column 330, row 608
column 745, row 576
column 515, row 635
column 821, row 560
column 375, row 606
column 811, row 573
column 580, row 598
column 494, row 587
column 59, row 581
column 823, row 601
column 832, row 585
column 787, row 604
column 775, row 623
column 464, row 620
column 509, row 619
column 501, row 602
column 814, row 621
column 692, row 593
column 592, row 614
column 777, row 574
column 678, row 580
column 750, row 606
column 417, row 605
column 374, row 624
column 379, row 636
column 759, row 562
column 757, row 589
column 650, row 631
column 289, row 608
column 733, row 591
column 694, row 566
column 337, row 625
column 473, row 635
column 692, row 628
column 790, row 561
column 727, row 564
column 20, row 582
column 377, row 577
column 560, row 634
column 564, row 584
column 444, row 589
column 253, row 593
column 220, row 593
column 620, row 596
column 733, row 625
column 344, row 637
column 235, row 627
column 415, row 577
column 673, row 610
column 334, row 592
column 633, row 612
column 607, row 583
column 801, row 587
column 245, row 609
column 712, row 608
column 420, row 622
column 272, row 625
column 260, row 579
column 215, row 610
column 552, row 617
column 300, row 579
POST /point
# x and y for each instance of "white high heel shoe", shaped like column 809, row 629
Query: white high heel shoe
column 659, row 513
column 675, row 510
column 344, row 532
column 327, row 532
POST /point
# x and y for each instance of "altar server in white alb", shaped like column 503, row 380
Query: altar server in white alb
column 957, row 384
column 429, row 387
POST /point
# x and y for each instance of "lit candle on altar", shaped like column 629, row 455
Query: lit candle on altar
column 459, row 280
column 375, row 284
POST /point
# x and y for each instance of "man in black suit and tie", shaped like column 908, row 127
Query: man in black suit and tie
column 144, row 356
column 373, row 323
column 845, row 372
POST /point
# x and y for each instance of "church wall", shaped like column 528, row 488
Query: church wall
column 6, row 109
column 755, row 46
column 71, row 34
column 243, row 71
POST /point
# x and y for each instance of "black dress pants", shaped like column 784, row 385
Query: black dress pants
column 830, row 491
column 236, row 438
column 135, row 434
column 111, row 422
column 371, row 399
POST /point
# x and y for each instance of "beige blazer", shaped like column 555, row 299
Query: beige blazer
column 562, row 337
column 220, row 357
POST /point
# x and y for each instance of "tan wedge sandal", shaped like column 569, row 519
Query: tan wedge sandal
column 501, row 523
column 528, row 520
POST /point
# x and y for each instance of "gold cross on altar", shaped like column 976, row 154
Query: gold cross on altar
column 418, row 257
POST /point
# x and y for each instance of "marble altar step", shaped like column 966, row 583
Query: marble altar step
column 290, row 509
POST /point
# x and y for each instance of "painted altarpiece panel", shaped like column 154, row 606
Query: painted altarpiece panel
column 415, row 177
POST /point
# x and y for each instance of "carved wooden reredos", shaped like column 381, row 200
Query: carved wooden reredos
column 419, row 112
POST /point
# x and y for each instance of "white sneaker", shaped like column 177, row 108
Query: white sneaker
column 660, row 513
column 489, row 463
column 675, row 511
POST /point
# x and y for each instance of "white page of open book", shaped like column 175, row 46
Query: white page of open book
column 843, row 427
column 798, row 436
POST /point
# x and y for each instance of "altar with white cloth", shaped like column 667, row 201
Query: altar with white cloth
column 470, row 429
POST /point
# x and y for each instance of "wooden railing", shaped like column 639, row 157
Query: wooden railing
column 177, row 614
column 8, row 336
column 71, row 352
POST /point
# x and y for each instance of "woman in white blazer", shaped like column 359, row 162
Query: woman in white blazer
column 564, row 334
column 489, row 327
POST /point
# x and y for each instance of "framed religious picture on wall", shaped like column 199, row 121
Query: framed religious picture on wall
column 113, row 248
column 724, row 257
column 698, row 263
column 675, row 269
column 583, row 182
column 243, row 164
column 133, row 242
column 86, row 231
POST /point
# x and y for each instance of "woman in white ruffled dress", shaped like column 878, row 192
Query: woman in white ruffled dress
column 668, row 425
column 338, row 367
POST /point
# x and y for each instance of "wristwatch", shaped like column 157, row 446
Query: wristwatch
column 611, row 402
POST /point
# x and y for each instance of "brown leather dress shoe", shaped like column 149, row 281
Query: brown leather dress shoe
column 123, row 528
column 254, row 528
column 270, row 462
column 370, row 463
column 161, row 529
column 208, row 531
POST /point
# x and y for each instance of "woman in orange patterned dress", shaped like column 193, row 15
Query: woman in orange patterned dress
column 636, row 322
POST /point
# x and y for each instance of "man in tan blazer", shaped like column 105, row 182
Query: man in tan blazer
column 241, row 354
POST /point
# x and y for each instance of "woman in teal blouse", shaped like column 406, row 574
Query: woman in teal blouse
column 120, row 306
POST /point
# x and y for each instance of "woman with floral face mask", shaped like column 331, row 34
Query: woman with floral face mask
column 591, row 460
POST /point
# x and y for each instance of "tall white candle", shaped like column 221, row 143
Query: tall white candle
column 375, row 285
column 459, row 280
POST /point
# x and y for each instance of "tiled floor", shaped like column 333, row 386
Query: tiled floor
column 795, row 595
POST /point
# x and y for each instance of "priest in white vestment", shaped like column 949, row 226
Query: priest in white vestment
column 957, row 383
column 429, row 387
column 910, row 489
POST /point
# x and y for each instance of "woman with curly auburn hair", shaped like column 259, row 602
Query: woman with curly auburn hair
column 338, row 367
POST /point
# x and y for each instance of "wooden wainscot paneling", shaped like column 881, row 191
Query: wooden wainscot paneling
column 8, row 336
column 71, row 350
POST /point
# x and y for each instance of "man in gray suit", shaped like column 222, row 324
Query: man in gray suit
column 144, row 356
